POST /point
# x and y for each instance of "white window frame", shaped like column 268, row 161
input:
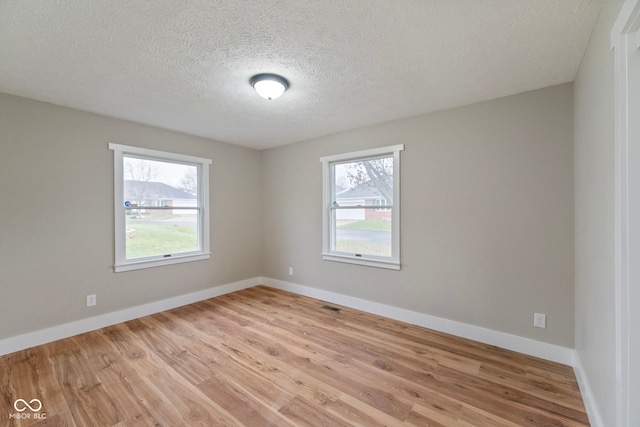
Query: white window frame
column 328, row 223
column 203, row 252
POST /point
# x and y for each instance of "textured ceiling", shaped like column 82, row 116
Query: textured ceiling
column 186, row 65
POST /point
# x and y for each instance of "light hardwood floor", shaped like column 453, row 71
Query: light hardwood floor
column 264, row 357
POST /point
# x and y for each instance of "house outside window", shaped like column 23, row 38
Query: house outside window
column 381, row 202
column 361, row 207
column 161, row 208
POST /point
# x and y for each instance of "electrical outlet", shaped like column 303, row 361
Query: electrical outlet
column 290, row 271
column 91, row 300
column 539, row 320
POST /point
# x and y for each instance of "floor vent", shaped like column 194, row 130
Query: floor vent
column 328, row 307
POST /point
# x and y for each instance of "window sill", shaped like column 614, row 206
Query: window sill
column 369, row 262
column 137, row 265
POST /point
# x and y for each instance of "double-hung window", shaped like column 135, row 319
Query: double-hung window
column 161, row 208
column 361, row 207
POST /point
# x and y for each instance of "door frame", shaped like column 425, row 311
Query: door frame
column 625, row 41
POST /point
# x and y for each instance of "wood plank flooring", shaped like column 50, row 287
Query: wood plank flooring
column 265, row 357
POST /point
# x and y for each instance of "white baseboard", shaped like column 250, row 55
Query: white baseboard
column 528, row 346
column 595, row 419
column 54, row 333
column 500, row 339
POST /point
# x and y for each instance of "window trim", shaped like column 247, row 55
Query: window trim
column 121, row 263
column 328, row 180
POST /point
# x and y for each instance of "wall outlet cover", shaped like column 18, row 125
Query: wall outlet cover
column 91, row 300
column 539, row 320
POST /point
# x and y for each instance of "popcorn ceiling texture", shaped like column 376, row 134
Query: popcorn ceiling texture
column 186, row 65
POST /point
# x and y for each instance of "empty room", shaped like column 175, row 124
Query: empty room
column 319, row 213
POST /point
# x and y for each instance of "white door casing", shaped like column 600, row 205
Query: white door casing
column 625, row 42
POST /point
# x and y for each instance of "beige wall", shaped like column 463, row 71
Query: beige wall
column 487, row 225
column 594, row 215
column 487, row 215
column 56, row 216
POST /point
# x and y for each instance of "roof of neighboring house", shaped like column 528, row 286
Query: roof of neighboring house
column 363, row 191
column 154, row 190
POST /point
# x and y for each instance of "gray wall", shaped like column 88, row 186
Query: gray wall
column 487, row 215
column 56, row 216
column 594, row 215
column 487, row 225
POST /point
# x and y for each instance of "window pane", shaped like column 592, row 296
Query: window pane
column 158, row 183
column 367, row 184
column 364, row 182
column 155, row 195
column 160, row 232
column 363, row 231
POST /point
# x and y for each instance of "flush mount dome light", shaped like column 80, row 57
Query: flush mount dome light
column 269, row 86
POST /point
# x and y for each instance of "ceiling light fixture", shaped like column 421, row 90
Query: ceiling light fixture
column 269, row 86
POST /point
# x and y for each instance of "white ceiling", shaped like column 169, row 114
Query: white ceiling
column 186, row 65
